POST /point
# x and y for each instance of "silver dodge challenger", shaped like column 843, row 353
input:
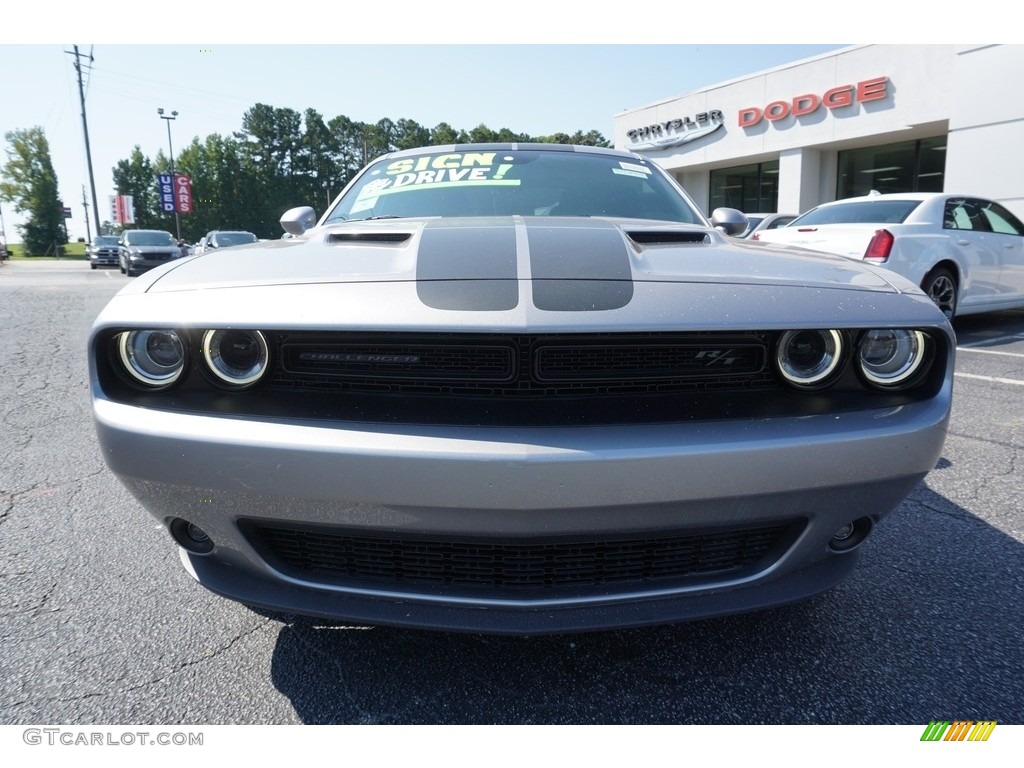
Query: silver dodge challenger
column 519, row 388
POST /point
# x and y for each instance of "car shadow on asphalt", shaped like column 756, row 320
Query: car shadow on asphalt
column 993, row 329
column 927, row 626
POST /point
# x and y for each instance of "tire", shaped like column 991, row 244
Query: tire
column 130, row 272
column 940, row 285
column 93, row 266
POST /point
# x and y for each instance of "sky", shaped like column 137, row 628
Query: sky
column 533, row 67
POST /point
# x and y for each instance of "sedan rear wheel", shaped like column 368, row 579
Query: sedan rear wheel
column 940, row 285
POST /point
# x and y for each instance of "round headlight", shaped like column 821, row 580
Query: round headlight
column 889, row 357
column 238, row 358
column 809, row 358
column 155, row 358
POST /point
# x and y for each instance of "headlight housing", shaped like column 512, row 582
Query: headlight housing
column 889, row 358
column 809, row 359
column 154, row 358
column 236, row 358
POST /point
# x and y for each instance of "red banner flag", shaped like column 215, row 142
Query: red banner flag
column 182, row 193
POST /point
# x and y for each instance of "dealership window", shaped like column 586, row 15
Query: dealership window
column 750, row 188
column 909, row 166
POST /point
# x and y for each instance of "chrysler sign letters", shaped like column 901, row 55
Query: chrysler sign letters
column 673, row 133
column 842, row 96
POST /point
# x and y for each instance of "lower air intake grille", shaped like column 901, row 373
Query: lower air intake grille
column 537, row 566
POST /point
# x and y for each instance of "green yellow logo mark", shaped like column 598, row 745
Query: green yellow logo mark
column 958, row 730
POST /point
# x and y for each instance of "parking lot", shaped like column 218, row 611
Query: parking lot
column 102, row 625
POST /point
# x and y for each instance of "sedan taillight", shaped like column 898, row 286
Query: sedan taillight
column 880, row 247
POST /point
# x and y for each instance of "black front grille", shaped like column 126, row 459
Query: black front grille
column 370, row 361
column 523, row 366
column 607, row 361
column 541, row 566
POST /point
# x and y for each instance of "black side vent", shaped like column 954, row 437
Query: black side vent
column 653, row 237
column 369, row 238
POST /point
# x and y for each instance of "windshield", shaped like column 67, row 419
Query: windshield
column 513, row 182
column 104, row 240
column 149, row 238
column 225, row 239
column 866, row 212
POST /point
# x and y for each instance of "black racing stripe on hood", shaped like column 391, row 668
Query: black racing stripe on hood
column 468, row 268
column 579, row 266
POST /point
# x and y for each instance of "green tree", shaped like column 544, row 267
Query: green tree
column 136, row 176
column 281, row 159
column 350, row 140
column 411, row 134
column 380, row 138
column 272, row 144
column 482, row 134
column 590, row 139
column 445, row 134
column 29, row 181
column 318, row 162
column 224, row 189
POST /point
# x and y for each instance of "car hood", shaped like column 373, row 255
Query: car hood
column 509, row 249
column 534, row 274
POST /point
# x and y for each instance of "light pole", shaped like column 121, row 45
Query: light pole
column 168, row 118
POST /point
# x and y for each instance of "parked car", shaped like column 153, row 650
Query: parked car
column 966, row 253
column 102, row 251
column 139, row 250
column 519, row 388
column 225, row 239
column 760, row 221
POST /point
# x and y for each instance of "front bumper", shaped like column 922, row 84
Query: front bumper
column 102, row 259
column 140, row 263
column 226, row 475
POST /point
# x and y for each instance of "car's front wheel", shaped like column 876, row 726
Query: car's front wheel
column 940, row 285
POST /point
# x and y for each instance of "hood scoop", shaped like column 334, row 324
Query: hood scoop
column 654, row 237
column 368, row 238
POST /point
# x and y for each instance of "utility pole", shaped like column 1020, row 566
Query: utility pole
column 85, row 130
column 85, row 205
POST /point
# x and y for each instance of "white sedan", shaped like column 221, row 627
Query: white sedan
column 966, row 253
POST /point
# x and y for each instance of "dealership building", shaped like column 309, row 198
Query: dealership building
column 891, row 118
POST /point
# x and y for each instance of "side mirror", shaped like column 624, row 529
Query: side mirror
column 297, row 220
column 729, row 220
